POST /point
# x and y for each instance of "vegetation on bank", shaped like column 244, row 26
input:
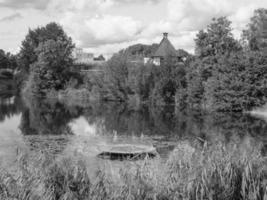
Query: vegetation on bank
column 224, row 75
column 203, row 172
column 7, row 60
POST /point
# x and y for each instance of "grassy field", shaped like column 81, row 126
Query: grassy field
column 210, row 172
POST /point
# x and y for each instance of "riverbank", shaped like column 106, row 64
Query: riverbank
column 191, row 172
column 7, row 85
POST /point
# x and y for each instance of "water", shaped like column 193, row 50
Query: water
column 88, row 129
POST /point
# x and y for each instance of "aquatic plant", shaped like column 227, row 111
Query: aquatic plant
column 207, row 172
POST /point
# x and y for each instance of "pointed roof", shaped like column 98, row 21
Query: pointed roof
column 165, row 48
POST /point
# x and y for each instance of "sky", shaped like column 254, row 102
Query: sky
column 106, row 26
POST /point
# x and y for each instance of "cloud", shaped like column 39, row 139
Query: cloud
column 19, row 4
column 103, row 29
column 195, row 14
column 108, row 25
column 11, row 17
column 137, row 1
column 81, row 7
column 183, row 19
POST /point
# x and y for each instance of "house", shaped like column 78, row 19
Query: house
column 82, row 57
column 164, row 51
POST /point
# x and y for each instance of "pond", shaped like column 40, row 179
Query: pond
column 64, row 129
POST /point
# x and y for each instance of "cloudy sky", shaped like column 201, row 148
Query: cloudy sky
column 106, row 26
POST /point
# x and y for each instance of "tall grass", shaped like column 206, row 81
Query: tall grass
column 212, row 172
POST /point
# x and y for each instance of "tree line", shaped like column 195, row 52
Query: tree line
column 225, row 74
column 7, row 60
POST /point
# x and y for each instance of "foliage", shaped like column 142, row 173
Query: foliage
column 52, row 69
column 256, row 33
column 195, row 79
column 217, row 39
column 116, row 78
column 128, row 81
column 223, row 76
column 168, row 78
column 239, row 82
column 28, row 54
column 7, row 60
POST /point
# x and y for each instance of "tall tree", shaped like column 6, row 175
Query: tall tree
column 239, row 82
column 34, row 38
column 217, row 39
column 211, row 44
column 256, row 33
column 116, row 77
column 52, row 69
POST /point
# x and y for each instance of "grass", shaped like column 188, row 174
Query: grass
column 207, row 172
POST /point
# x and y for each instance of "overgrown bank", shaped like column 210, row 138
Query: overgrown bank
column 209, row 172
column 224, row 75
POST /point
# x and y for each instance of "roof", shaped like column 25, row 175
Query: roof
column 165, row 49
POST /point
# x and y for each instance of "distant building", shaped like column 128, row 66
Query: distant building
column 82, row 57
column 164, row 51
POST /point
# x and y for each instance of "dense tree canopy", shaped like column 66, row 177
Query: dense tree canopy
column 217, row 39
column 239, row 82
column 256, row 33
column 7, row 60
column 51, row 71
column 34, row 38
column 46, row 54
column 224, row 75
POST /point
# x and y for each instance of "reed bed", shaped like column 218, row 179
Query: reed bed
column 212, row 172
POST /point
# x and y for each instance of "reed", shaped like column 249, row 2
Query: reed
column 212, row 172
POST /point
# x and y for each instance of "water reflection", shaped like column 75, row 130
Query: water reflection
column 47, row 117
column 9, row 106
column 60, row 128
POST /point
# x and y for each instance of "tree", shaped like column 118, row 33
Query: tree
column 7, row 60
column 239, row 82
column 215, row 42
column 52, row 69
column 116, row 78
column 256, row 33
column 212, row 44
column 169, row 78
column 195, row 81
column 217, row 39
column 28, row 55
column 3, row 59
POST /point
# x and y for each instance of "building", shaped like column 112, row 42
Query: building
column 164, row 51
column 82, row 57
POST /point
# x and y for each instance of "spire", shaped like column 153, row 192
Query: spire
column 165, row 48
column 165, row 35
